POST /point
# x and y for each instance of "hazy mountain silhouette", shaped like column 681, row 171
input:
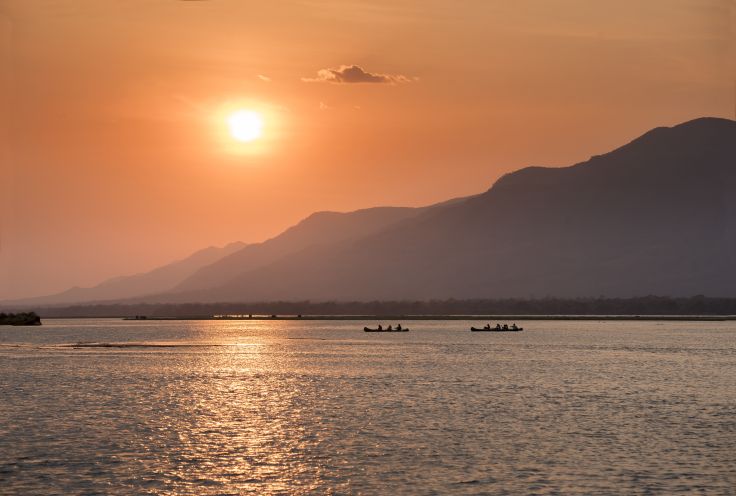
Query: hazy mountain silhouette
column 656, row 216
column 155, row 281
column 319, row 229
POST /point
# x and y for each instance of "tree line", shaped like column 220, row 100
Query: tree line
column 643, row 306
column 22, row 318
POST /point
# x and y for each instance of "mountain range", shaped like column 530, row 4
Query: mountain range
column 155, row 281
column 655, row 216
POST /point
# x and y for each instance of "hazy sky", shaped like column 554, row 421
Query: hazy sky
column 116, row 155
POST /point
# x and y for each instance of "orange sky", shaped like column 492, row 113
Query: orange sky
column 116, row 158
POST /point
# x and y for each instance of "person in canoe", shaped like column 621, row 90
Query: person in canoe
column 389, row 328
column 498, row 327
column 487, row 327
column 514, row 327
column 505, row 327
column 380, row 327
column 398, row 327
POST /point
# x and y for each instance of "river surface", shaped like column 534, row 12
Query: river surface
column 320, row 407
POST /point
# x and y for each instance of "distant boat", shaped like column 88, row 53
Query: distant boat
column 496, row 329
column 403, row 329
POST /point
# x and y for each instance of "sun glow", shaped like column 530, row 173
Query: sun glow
column 246, row 128
column 245, row 125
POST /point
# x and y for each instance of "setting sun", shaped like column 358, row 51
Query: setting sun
column 245, row 125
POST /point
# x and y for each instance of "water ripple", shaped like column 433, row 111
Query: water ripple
column 214, row 408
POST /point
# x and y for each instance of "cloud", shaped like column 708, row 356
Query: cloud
column 354, row 74
column 264, row 78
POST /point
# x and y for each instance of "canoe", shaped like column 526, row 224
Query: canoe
column 493, row 329
column 368, row 329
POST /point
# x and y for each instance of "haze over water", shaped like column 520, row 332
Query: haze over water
column 227, row 407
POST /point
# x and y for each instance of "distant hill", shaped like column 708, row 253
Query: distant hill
column 656, row 216
column 156, row 281
column 319, row 229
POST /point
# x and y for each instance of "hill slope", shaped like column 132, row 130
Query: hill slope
column 656, row 216
column 319, row 229
column 155, row 281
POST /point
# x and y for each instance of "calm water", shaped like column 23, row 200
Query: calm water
column 322, row 407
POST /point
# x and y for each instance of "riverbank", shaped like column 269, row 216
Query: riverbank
column 675, row 318
column 656, row 307
column 20, row 319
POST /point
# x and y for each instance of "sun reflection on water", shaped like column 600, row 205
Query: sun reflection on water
column 319, row 408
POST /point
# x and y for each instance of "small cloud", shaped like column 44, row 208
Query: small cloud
column 324, row 106
column 354, row 74
column 264, row 78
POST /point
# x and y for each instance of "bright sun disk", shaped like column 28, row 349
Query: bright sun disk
column 245, row 125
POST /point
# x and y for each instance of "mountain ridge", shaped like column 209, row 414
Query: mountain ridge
column 653, row 216
column 630, row 211
column 139, row 284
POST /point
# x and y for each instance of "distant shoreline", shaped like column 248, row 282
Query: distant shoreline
column 675, row 318
column 694, row 308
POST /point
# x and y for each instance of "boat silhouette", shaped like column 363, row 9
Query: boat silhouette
column 496, row 329
column 388, row 329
